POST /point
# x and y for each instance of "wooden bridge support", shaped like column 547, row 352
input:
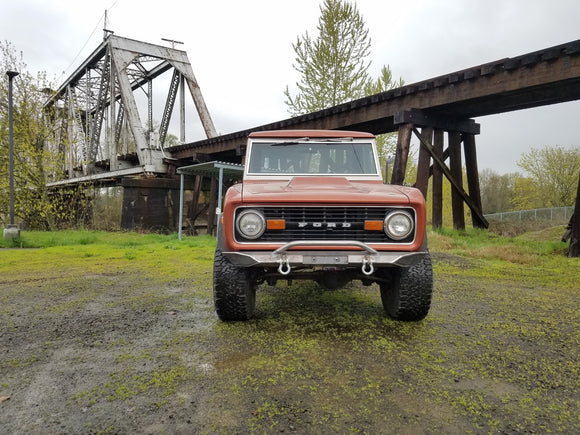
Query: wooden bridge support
column 457, row 177
column 194, row 216
column 432, row 141
column 422, row 182
column 574, row 250
column 402, row 154
column 473, row 179
column 437, row 183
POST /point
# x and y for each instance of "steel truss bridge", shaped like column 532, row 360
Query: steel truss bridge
column 103, row 130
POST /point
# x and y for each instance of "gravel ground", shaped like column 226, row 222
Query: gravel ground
column 129, row 352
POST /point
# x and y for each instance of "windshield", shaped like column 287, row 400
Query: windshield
column 312, row 158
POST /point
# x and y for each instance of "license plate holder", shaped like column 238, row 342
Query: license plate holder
column 326, row 260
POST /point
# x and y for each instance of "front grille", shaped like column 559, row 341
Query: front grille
column 326, row 223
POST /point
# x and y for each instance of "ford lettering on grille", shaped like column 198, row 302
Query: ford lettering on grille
column 324, row 224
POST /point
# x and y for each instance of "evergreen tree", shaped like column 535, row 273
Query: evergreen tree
column 333, row 66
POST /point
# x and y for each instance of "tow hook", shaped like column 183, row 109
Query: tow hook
column 284, row 267
column 367, row 266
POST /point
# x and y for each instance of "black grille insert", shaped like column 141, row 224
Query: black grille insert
column 326, row 223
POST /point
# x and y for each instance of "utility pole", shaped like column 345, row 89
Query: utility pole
column 172, row 42
column 11, row 231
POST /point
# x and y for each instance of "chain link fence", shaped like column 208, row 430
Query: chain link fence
column 556, row 215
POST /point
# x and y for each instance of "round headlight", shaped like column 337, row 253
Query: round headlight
column 251, row 224
column 398, row 225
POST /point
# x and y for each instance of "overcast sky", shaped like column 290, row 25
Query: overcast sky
column 241, row 51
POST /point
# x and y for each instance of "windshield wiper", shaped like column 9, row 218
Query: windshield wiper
column 336, row 139
column 291, row 142
column 309, row 139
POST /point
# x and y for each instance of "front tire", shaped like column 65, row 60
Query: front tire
column 234, row 293
column 407, row 295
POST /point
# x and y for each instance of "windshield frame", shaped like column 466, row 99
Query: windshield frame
column 318, row 144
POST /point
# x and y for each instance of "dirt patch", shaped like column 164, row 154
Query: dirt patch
column 124, row 352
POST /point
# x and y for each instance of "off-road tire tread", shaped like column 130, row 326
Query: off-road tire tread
column 408, row 296
column 234, row 293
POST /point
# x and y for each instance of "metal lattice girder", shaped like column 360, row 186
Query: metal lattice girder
column 119, row 123
column 75, row 122
column 101, row 104
column 169, row 106
column 104, row 88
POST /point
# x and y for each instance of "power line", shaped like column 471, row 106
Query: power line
column 101, row 20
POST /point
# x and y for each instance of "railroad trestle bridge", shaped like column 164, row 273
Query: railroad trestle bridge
column 108, row 133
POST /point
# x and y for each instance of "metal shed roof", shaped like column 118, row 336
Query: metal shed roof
column 208, row 169
column 212, row 169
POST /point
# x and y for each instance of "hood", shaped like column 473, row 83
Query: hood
column 320, row 190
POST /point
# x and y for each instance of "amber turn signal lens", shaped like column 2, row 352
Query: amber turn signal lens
column 374, row 225
column 276, row 224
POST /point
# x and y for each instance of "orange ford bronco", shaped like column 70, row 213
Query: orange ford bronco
column 313, row 205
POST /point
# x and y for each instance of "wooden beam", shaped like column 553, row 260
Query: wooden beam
column 422, row 182
column 492, row 88
column 199, row 157
column 444, row 156
column 421, row 118
column 473, row 177
column 437, row 195
column 574, row 250
column 401, row 154
column 457, row 175
column 447, row 174
column 194, row 212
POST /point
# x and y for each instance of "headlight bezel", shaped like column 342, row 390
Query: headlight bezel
column 389, row 223
column 259, row 219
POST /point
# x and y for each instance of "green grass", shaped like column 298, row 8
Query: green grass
column 87, row 251
column 49, row 239
column 485, row 244
column 539, row 257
